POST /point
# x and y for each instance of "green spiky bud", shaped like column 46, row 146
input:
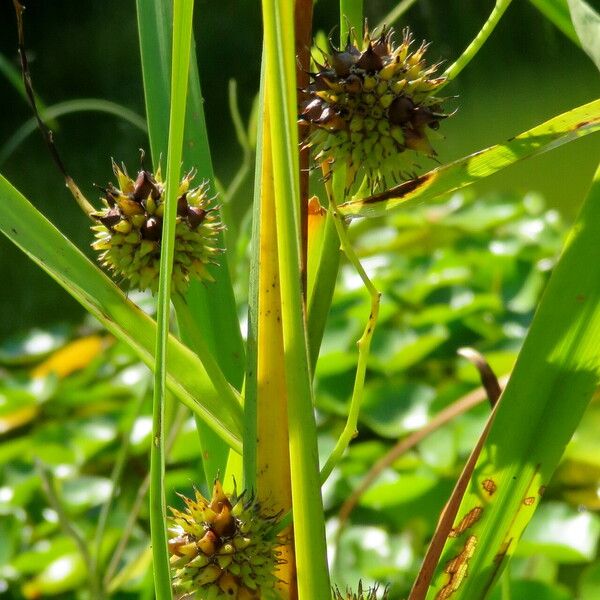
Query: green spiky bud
column 129, row 230
column 224, row 548
column 368, row 594
column 371, row 108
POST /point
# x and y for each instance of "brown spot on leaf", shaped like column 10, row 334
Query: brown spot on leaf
column 502, row 553
column 457, row 569
column 489, row 486
column 542, row 490
column 467, row 521
column 529, row 501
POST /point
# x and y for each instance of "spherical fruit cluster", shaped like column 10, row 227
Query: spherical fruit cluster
column 225, row 547
column 369, row 594
column 368, row 107
column 129, row 230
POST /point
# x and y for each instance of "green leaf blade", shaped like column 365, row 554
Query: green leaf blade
column 555, row 376
column 463, row 172
column 210, row 311
column 180, row 61
column 557, row 11
column 587, row 25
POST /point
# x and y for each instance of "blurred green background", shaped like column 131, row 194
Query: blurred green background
column 527, row 72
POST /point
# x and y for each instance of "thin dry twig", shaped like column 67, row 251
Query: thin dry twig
column 432, row 556
column 45, row 131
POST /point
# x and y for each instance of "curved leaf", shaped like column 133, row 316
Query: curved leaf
column 214, row 401
column 587, row 25
column 465, row 171
column 66, row 108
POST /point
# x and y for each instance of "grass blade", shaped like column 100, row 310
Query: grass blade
column 480, row 39
column 210, row 311
column 67, row 108
column 182, row 37
column 188, row 379
column 463, row 172
column 351, row 17
column 555, row 376
column 154, row 19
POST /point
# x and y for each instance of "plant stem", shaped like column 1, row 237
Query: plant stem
column 242, row 137
column 309, row 522
column 364, row 343
column 227, row 194
column 182, row 35
column 473, row 48
column 272, row 441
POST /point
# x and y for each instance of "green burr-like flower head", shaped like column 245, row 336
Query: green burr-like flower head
column 371, row 107
column 224, row 548
column 129, row 230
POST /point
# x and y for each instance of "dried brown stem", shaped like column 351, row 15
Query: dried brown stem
column 432, row 557
column 45, row 131
column 303, row 21
column 493, row 391
column 488, row 377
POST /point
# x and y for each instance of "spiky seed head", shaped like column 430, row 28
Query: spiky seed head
column 370, row 108
column 129, row 230
column 225, row 547
column 362, row 594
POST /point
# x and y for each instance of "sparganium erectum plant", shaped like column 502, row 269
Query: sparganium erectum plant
column 370, row 112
